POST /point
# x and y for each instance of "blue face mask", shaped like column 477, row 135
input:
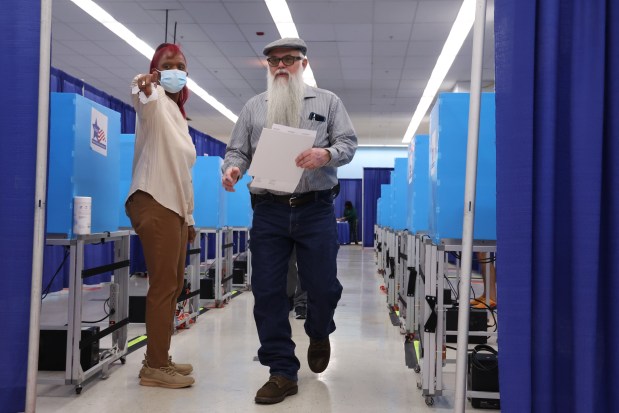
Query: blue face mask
column 172, row 81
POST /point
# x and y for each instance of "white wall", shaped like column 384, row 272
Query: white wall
column 370, row 157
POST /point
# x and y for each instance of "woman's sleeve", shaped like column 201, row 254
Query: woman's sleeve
column 144, row 105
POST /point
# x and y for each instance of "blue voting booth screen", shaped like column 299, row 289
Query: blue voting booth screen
column 209, row 199
column 448, row 147
column 418, row 191
column 84, row 160
column 239, row 212
column 127, row 146
column 398, row 194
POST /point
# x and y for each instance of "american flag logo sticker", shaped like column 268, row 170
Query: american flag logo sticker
column 98, row 132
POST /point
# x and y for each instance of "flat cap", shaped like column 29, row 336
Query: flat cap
column 287, row 42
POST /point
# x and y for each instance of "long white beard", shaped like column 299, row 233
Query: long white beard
column 285, row 99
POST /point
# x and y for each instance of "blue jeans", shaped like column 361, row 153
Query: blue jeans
column 276, row 229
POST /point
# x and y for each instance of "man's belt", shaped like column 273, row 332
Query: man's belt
column 295, row 200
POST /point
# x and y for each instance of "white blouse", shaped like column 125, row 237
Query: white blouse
column 164, row 153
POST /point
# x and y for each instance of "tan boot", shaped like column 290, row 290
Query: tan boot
column 163, row 377
column 184, row 369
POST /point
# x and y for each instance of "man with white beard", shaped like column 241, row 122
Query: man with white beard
column 304, row 220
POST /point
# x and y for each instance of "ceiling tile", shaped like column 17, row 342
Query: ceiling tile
column 250, row 30
column 391, row 48
column 202, row 49
column 209, row 12
column 438, row 11
column 386, row 84
column 254, row 12
column 353, row 32
column 62, row 31
column 316, row 32
column 394, row 11
column 235, row 48
column 322, row 49
column 347, row 49
column 223, row 32
column 392, row 32
column 430, row 31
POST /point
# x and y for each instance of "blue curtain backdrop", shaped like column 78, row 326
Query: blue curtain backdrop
column 557, row 63
column 372, row 180
column 20, row 25
column 351, row 190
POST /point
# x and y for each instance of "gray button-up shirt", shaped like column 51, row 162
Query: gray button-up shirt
column 335, row 134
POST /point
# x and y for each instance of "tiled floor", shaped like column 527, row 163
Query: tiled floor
column 366, row 373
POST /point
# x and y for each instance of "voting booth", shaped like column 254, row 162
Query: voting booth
column 84, row 159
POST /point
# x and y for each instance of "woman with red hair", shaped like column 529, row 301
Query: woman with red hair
column 160, row 204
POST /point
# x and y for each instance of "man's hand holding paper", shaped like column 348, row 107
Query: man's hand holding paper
column 281, row 155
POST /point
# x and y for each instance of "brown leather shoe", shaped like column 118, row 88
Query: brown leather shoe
column 318, row 354
column 275, row 390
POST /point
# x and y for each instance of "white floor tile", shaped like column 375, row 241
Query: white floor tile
column 366, row 373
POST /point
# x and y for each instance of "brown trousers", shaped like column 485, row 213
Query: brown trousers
column 163, row 234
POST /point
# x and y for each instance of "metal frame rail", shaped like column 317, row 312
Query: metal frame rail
column 73, row 373
column 193, row 273
column 236, row 250
column 433, row 260
column 222, row 283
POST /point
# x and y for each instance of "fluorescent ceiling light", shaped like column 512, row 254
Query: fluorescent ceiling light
column 459, row 31
column 103, row 17
column 285, row 25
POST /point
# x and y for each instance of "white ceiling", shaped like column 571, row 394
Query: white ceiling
column 376, row 55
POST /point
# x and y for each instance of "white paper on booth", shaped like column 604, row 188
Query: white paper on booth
column 273, row 166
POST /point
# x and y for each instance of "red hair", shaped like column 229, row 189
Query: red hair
column 154, row 64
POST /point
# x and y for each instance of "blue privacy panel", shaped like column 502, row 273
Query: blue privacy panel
column 418, row 191
column 448, row 141
column 127, row 144
column 385, row 206
column 209, row 199
column 84, row 160
column 398, row 194
column 239, row 213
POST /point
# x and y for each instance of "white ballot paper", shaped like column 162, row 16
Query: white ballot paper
column 273, row 166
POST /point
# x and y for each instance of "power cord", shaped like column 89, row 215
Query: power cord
column 107, row 314
column 480, row 261
column 49, row 285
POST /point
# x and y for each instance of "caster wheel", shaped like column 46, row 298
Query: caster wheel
column 123, row 360
column 78, row 389
column 419, row 386
column 417, row 369
column 429, row 401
